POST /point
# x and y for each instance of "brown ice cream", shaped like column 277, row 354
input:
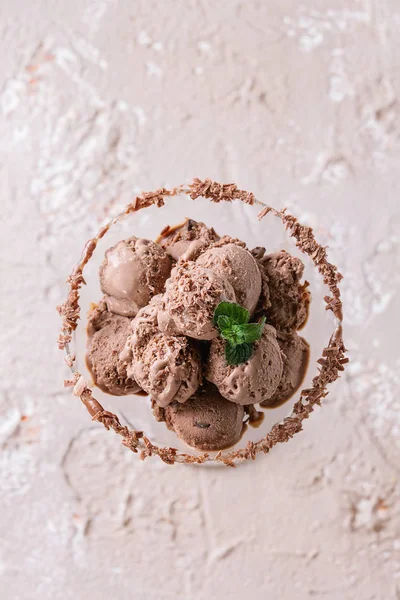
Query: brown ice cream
column 295, row 360
column 207, row 421
column 187, row 239
column 167, row 367
column 132, row 272
column 286, row 306
column 191, row 297
column 164, row 349
column 253, row 381
column 239, row 267
column 107, row 337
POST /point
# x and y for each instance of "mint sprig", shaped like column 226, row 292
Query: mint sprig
column 235, row 355
column 232, row 321
column 232, row 310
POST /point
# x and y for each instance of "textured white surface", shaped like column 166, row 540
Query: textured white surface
column 297, row 102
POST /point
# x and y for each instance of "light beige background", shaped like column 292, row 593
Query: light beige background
column 297, row 101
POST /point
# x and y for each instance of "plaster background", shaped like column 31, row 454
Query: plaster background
column 298, row 102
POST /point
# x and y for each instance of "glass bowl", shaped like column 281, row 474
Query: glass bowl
column 238, row 214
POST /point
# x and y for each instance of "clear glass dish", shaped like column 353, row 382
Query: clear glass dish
column 237, row 219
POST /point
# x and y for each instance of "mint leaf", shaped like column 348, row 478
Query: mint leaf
column 224, row 322
column 232, row 332
column 249, row 333
column 225, row 326
column 235, row 355
column 232, row 321
column 236, row 334
column 230, row 309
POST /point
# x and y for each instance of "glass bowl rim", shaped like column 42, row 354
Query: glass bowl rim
column 330, row 364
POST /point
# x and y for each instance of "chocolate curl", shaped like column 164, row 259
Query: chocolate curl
column 219, row 192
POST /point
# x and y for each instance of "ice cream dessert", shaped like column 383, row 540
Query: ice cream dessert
column 107, row 336
column 250, row 382
column 133, row 271
column 187, row 239
column 192, row 294
column 287, row 301
column 233, row 262
column 167, row 367
column 204, row 326
column 295, row 353
column 206, row 421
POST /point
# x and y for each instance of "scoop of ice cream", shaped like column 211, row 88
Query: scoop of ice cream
column 238, row 266
column 170, row 369
column 295, row 360
column 207, row 421
column 187, row 239
column 132, row 272
column 144, row 327
column 167, row 367
column 253, row 381
column 191, row 297
column 287, row 306
column 107, row 337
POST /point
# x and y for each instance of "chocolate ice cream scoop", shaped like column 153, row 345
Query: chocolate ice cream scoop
column 253, row 381
column 192, row 294
column 295, row 360
column 107, row 337
column 168, row 367
column 132, row 272
column 287, row 306
column 238, row 266
column 206, row 421
column 187, row 239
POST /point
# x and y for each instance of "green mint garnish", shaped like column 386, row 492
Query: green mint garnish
column 232, row 321
column 229, row 309
column 235, row 355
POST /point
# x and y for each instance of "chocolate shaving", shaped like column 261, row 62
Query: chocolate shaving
column 263, row 213
column 331, row 363
column 69, row 360
column 219, row 192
